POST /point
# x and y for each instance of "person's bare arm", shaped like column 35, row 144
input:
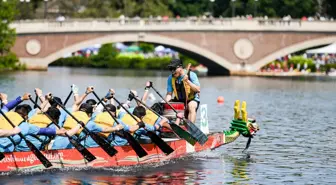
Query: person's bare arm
column 74, row 130
column 6, row 133
column 45, row 105
column 112, row 129
column 78, row 102
column 169, row 96
column 193, row 87
column 40, row 95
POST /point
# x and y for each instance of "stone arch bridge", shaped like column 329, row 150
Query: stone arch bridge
column 224, row 46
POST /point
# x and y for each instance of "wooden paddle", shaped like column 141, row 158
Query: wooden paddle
column 130, row 139
column 85, row 152
column 194, row 130
column 110, row 150
column 155, row 139
column 177, row 129
column 46, row 163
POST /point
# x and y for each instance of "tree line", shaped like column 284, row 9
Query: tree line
column 144, row 8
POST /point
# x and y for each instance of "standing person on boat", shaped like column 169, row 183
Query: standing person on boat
column 185, row 87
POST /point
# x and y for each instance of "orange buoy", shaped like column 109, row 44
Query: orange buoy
column 220, row 99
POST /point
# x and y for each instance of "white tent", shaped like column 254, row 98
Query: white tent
column 159, row 48
column 330, row 49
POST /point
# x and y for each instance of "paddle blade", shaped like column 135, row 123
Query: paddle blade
column 81, row 149
column 183, row 134
column 247, row 144
column 196, row 132
column 135, row 144
column 110, row 150
column 46, row 163
column 2, row 156
column 164, row 147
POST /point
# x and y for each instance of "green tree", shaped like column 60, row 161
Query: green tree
column 146, row 47
column 107, row 53
column 329, row 8
column 297, row 8
column 271, row 8
column 7, row 34
column 185, row 8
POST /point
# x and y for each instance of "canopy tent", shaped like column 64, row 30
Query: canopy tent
column 133, row 48
column 159, row 48
column 120, row 46
column 330, row 49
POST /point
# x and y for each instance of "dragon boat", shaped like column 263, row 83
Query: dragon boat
column 126, row 156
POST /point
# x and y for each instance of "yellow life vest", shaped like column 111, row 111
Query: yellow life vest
column 128, row 120
column 71, row 123
column 14, row 117
column 104, row 120
column 117, row 113
column 150, row 117
column 189, row 92
column 40, row 120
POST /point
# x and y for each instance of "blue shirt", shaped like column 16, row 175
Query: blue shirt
column 32, row 129
column 113, row 138
column 10, row 105
column 193, row 78
column 6, row 145
column 62, row 142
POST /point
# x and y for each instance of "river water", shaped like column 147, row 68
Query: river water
column 296, row 143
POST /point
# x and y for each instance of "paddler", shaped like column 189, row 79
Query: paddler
column 185, row 87
column 139, row 112
column 42, row 130
column 108, row 128
column 51, row 102
column 84, row 115
column 19, row 118
column 150, row 117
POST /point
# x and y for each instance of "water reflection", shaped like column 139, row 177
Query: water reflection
column 240, row 171
column 179, row 171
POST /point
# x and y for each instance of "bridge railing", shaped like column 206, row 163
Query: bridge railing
column 73, row 25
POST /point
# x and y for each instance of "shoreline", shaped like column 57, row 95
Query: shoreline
column 278, row 74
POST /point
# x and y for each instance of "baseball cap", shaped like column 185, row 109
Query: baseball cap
column 175, row 63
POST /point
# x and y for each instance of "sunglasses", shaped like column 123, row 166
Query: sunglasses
column 172, row 69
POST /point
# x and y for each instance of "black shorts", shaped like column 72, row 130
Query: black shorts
column 198, row 102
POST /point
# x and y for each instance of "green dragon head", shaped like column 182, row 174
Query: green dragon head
column 241, row 123
column 247, row 129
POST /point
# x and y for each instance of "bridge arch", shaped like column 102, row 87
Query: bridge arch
column 136, row 37
column 291, row 49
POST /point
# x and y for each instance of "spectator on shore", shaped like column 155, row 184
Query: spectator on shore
column 122, row 19
column 60, row 19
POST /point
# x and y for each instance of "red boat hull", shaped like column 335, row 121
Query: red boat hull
column 125, row 157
